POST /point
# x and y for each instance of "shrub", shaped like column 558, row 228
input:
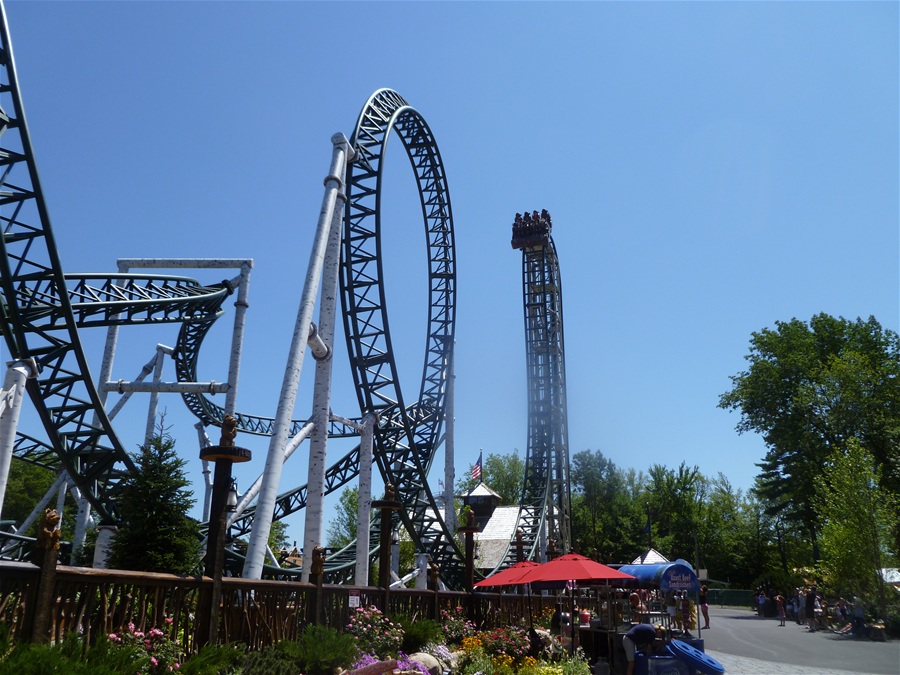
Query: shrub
column 418, row 633
column 456, row 627
column 510, row 641
column 322, row 649
column 156, row 652
column 272, row 660
column 71, row 657
column 374, row 632
column 215, row 660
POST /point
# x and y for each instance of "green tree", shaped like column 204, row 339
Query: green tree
column 857, row 516
column 278, row 535
column 155, row 532
column 504, row 474
column 808, row 390
column 598, row 497
column 26, row 484
column 342, row 527
column 673, row 504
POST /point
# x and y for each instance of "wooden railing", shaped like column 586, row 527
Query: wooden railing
column 257, row 613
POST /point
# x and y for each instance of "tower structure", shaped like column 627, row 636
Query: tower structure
column 546, row 501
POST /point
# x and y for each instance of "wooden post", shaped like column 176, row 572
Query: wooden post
column 434, row 576
column 469, row 531
column 46, row 546
column 223, row 456
column 317, row 578
column 386, row 506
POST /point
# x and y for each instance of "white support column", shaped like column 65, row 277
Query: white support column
column 61, row 501
column 17, row 374
column 321, row 340
column 154, row 395
column 247, row 498
column 237, row 336
column 203, row 442
column 422, row 577
column 262, row 523
column 364, row 507
column 105, row 536
column 450, row 448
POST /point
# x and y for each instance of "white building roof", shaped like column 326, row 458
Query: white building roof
column 492, row 541
column 650, row 557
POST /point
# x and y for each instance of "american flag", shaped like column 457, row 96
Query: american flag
column 476, row 470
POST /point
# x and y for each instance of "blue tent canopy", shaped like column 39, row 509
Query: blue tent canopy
column 669, row 576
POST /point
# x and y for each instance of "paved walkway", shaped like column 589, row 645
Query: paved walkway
column 742, row 665
column 748, row 645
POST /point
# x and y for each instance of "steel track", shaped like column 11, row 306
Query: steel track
column 405, row 445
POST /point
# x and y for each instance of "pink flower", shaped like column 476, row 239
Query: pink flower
column 153, row 661
column 169, row 620
column 131, row 627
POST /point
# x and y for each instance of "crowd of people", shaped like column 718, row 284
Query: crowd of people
column 808, row 607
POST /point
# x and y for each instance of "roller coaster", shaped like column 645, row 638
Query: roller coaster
column 44, row 309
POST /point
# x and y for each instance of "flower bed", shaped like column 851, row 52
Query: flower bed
column 370, row 645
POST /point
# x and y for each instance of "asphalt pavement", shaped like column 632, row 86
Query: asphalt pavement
column 748, row 645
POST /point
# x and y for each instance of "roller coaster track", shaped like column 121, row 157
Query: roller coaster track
column 43, row 309
column 405, row 445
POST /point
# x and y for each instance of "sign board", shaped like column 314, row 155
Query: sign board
column 702, row 574
column 353, row 600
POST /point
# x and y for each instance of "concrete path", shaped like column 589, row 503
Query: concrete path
column 748, row 645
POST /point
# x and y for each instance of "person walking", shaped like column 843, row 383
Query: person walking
column 811, row 609
column 859, row 617
column 779, row 603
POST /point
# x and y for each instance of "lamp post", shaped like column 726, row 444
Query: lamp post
column 224, row 498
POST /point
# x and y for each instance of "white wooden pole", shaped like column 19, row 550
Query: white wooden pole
column 450, row 448
column 17, row 374
column 321, row 342
column 154, row 396
column 262, row 523
column 364, row 507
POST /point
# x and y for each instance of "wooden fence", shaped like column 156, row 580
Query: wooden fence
column 257, row 613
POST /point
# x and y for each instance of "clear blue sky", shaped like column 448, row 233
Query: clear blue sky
column 711, row 168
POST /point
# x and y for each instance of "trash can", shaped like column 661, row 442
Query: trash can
column 694, row 659
column 659, row 665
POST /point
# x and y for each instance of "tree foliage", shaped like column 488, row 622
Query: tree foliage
column 155, row 532
column 342, row 528
column 504, row 474
column 857, row 516
column 809, row 388
column 26, row 484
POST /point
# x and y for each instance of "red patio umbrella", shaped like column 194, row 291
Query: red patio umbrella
column 572, row 566
column 510, row 576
